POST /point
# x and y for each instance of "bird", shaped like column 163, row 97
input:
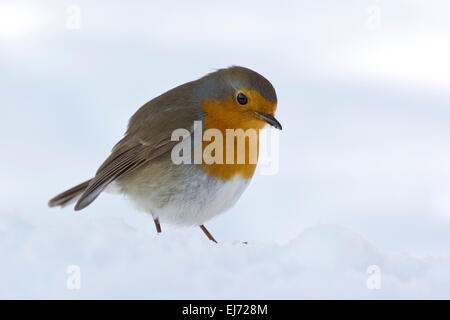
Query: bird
column 141, row 165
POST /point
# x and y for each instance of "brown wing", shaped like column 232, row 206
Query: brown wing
column 147, row 137
column 125, row 158
column 68, row 196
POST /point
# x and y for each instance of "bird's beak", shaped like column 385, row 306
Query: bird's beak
column 270, row 119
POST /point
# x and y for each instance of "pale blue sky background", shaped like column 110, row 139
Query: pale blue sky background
column 364, row 107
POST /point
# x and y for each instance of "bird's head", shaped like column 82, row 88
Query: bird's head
column 239, row 98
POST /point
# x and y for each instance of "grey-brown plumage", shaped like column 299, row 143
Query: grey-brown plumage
column 143, row 153
column 66, row 197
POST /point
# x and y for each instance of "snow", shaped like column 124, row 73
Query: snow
column 362, row 180
column 117, row 260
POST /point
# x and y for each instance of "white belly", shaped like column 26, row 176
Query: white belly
column 191, row 201
column 209, row 202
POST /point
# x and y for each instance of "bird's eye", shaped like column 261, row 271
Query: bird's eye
column 241, row 98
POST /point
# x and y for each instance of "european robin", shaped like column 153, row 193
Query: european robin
column 141, row 165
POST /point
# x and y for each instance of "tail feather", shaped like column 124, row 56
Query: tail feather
column 69, row 196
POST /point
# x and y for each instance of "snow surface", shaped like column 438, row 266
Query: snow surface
column 117, row 260
column 365, row 145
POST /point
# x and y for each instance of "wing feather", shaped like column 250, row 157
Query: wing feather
column 122, row 161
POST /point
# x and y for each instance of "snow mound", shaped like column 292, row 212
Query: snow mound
column 119, row 261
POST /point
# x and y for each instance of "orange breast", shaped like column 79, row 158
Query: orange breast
column 223, row 115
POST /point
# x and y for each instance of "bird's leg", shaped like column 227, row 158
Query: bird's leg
column 210, row 237
column 157, row 225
